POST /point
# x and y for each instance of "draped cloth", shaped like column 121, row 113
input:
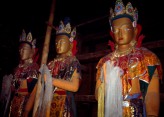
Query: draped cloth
column 46, row 92
column 22, row 95
column 113, row 90
column 110, row 91
column 5, row 93
column 140, row 64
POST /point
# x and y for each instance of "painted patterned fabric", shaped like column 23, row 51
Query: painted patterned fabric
column 141, row 64
column 28, row 74
column 63, row 103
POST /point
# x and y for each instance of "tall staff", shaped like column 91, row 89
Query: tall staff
column 48, row 34
column 45, row 52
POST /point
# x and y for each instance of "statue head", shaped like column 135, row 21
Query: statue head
column 65, row 37
column 26, row 46
column 123, row 22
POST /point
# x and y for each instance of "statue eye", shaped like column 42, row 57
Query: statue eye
column 115, row 30
column 127, row 29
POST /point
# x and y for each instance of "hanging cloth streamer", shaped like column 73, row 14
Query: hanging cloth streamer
column 113, row 90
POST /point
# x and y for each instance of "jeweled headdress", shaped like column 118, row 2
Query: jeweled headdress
column 27, row 39
column 121, row 11
column 65, row 29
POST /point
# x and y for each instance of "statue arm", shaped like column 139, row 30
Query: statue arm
column 152, row 99
column 98, row 83
column 72, row 85
column 30, row 102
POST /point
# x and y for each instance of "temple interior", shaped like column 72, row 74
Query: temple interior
column 91, row 20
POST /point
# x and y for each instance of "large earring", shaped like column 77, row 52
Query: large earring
column 116, row 46
column 111, row 28
column 133, row 42
column 30, row 60
column 69, row 53
column 134, row 24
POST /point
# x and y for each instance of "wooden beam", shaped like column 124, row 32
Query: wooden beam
column 85, row 98
column 99, row 54
column 93, row 36
column 154, row 44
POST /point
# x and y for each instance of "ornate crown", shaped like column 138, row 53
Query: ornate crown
column 121, row 11
column 27, row 39
column 65, row 29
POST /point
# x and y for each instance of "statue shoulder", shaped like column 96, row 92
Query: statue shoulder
column 103, row 60
column 150, row 56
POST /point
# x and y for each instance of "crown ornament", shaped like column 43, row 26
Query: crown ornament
column 66, row 29
column 121, row 11
column 27, row 39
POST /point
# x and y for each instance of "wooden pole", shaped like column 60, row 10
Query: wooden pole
column 44, row 58
column 48, row 35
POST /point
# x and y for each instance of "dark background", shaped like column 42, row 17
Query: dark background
column 91, row 19
column 90, row 16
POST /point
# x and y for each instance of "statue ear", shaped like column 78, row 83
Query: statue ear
column 35, row 54
column 71, row 45
column 136, row 31
column 32, row 52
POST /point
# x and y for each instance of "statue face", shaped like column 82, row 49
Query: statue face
column 62, row 44
column 123, row 30
column 25, row 51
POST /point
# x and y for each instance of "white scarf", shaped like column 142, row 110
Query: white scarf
column 113, row 90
